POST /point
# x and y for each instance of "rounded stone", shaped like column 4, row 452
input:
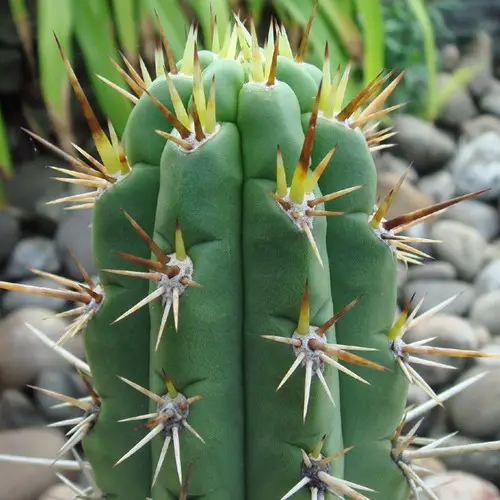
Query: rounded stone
column 485, row 311
column 477, row 166
column 37, row 253
column 461, row 245
column 436, row 291
column 476, row 410
column 27, row 482
column 462, row 486
column 481, row 216
column 23, row 355
column 488, row 279
column 452, row 332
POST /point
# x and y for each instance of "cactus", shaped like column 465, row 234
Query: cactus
column 240, row 337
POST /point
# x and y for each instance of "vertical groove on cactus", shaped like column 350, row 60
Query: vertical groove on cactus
column 241, row 336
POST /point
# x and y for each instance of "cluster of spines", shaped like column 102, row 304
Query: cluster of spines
column 192, row 129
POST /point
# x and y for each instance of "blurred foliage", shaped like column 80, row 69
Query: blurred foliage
column 5, row 158
column 371, row 34
column 411, row 43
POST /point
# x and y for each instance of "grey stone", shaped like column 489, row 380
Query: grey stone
column 490, row 101
column 436, row 291
column 32, row 186
column 480, row 55
column 438, row 185
column 493, row 251
column 488, row 280
column 477, row 166
column 450, row 56
column 458, row 109
column 458, row 485
column 433, row 270
column 387, row 162
column 421, row 142
column 461, row 245
column 28, row 482
column 9, row 233
column 452, row 332
column 73, row 235
column 482, row 333
column 488, row 363
column 17, row 411
column 476, row 410
column 36, row 252
column 477, row 214
column 479, row 126
column 58, row 492
column 22, row 354
column 15, row 300
column 485, row 311
column 61, row 382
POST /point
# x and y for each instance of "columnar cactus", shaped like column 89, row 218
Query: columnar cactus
column 244, row 313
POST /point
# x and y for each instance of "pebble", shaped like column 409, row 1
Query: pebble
column 477, row 214
column 18, row 411
column 488, row 279
column 480, row 53
column 438, row 185
column 479, row 126
column 462, row 245
column 485, row 311
column 33, row 185
column 492, row 348
column 388, row 163
column 421, row 142
column 436, row 291
column 450, row 56
column 15, row 300
column 493, row 251
column 9, row 233
column 476, row 410
column 27, row 482
column 61, row 382
column 462, row 486
column 22, row 355
column 457, row 110
column 73, row 235
column 452, row 332
column 58, row 492
column 482, row 333
column 433, row 270
column 490, row 101
column 477, row 166
column 482, row 464
column 37, row 252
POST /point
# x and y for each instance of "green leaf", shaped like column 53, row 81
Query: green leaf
column 221, row 12
column 5, row 157
column 372, row 20
column 455, row 83
column 53, row 78
column 299, row 11
column 125, row 15
column 256, row 9
column 20, row 16
column 94, row 32
column 173, row 21
column 419, row 10
column 344, row 26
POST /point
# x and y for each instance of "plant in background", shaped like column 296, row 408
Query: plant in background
column 240, row 249
column 411, row 43
column 5, row 159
